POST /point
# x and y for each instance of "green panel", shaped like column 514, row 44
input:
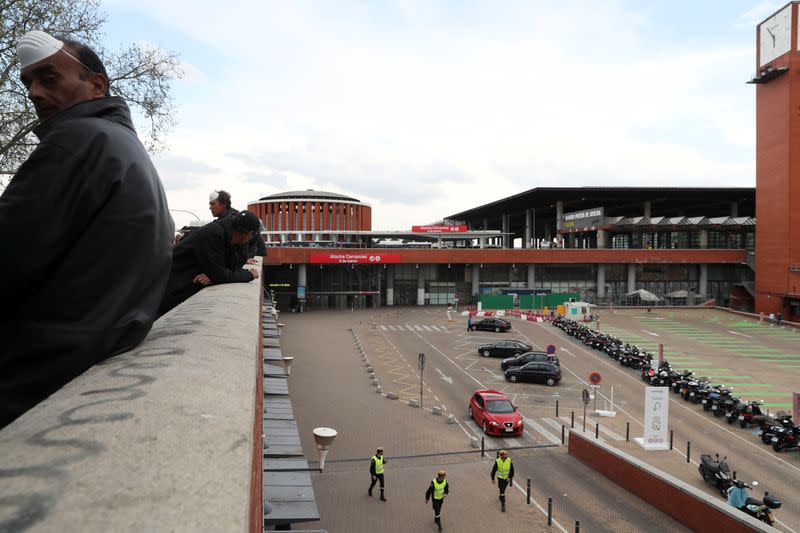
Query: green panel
column 497, row 301
column 526, row 301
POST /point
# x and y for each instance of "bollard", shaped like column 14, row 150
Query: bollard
column 572, row 423
column 627, row 431
column 556, row 408
column 597, row 430
column 734, row 474
column 577, row 526
column 483, row 447
column 563, row 440
column 549, row 511
column 670, row 441
column 688, row 451
column 529, row 491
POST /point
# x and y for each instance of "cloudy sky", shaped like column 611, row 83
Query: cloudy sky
column 425, row 108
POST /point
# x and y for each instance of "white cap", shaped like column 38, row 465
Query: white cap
column 35, row 46
column 213, row 196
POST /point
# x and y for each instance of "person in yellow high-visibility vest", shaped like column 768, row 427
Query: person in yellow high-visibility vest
column 376, row 471
column 438, row 488
column 505, row 476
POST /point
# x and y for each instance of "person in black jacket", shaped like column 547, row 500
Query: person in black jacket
column 219, row 203
column 85, row 229
column 208, row 256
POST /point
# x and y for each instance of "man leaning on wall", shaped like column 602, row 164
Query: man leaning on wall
column 85, row 228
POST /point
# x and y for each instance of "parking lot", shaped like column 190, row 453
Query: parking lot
column 760, row 361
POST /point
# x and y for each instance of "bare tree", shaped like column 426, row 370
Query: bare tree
column 141, row 74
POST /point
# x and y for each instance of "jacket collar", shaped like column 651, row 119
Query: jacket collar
column 111, row 108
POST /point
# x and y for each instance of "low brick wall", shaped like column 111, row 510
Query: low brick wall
column 693, row 508
column 159, row 438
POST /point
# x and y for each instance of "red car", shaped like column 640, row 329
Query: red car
column 495, row 413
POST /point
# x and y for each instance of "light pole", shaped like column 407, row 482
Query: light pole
column 189, row 212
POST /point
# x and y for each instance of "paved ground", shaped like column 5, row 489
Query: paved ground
column 330, row 387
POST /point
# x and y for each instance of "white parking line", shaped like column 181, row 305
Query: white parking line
column 393, row 328
column 651, row 333
column 383, row 328
column 740, row 334
column 556, row 426
column 425, row 327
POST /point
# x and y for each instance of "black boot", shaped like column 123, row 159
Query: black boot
column 369, row 491
column 502, row 504
column 383, row 499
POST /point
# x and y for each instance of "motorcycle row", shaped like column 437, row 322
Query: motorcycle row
column 778, row 430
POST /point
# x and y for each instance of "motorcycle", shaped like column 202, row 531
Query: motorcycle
column 695, row 390
column 747, row 413
column 770, row 425
column 786, row 438
column 758, row 509
column 716, row 473
column 725, row 406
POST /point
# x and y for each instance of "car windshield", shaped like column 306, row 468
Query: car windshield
column 499, row 407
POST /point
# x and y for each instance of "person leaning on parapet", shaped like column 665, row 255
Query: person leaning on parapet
column 219, row 203
column 85, row 228
column 207, row 256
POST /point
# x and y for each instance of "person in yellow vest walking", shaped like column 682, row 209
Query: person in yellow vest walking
column 376, row 471
column 438, row 488
column 505, row 476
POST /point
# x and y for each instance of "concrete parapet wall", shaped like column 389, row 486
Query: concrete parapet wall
column 694, row 508
column 159, row 438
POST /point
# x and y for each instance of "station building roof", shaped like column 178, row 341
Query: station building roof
column 617, row 202
column 309, row 194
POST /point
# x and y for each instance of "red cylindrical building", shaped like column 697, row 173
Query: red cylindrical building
column 290, row 216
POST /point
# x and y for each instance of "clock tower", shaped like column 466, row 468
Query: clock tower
column 778, row 164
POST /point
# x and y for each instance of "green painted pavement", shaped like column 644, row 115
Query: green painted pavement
column 789, row 366
column 778, row 405
column 724, row 376
column 748, row 385
column 775, row 393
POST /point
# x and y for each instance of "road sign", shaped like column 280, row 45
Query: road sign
column 422, row 361
column 551, row 348
column 585, row 397
column 595, row 378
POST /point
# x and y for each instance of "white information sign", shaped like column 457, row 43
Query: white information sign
column 656, row 419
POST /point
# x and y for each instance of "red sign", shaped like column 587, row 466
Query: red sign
column 439, row 229
column 353, row 258
column 796, row 406
column 595, row 379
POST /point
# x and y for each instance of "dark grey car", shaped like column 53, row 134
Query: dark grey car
column 529, row 357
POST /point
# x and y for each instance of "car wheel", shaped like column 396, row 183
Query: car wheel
column 469, row 412
column 497, row 330
column 512, row 378
column 472, row 328
column 550, row 382
column 486, row 353
column 485, row 427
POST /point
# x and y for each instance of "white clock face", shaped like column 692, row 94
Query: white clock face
column 775, row 35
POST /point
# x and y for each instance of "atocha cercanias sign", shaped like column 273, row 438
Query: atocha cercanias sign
column 355, row 258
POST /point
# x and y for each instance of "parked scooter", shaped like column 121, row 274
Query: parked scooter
column 716, row 473
column 786, row 438
column 770, row 426
column 759, row 509
column 747, row 413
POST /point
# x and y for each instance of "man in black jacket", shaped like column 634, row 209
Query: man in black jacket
column 85, row 230
column 209, row 256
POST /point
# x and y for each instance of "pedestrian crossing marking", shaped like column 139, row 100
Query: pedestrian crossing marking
column 546, row 434
column 413, row 327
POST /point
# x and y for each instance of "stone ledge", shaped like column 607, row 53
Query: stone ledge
column 155, row 439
